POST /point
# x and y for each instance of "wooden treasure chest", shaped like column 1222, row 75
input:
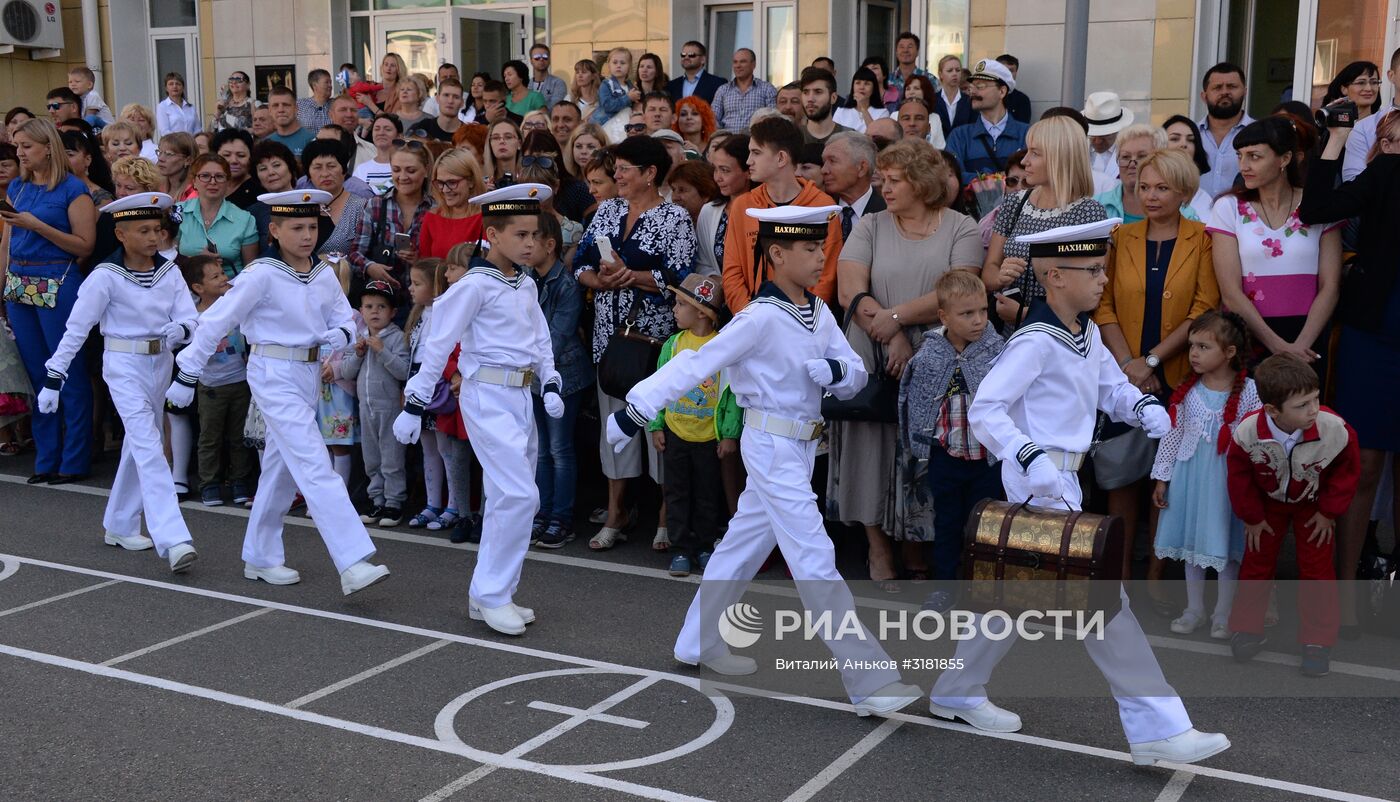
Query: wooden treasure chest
column 1022, row 557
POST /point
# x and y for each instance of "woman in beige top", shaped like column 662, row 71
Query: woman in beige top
column 886, row 272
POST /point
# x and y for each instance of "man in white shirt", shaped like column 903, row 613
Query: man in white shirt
column 848, row 163
column 1363, row 136
column 1223, row 92
column 1106, row 116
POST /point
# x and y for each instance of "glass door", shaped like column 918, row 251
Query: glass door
column 877, row 29
column 485, row 40
column 176, row 52
column 419, row 39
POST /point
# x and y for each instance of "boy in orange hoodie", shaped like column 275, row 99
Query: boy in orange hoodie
column 775, row 147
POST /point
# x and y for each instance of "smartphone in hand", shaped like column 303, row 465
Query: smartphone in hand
column 6, row 207
column 605, row 249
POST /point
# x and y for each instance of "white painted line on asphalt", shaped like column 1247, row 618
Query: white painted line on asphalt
column 864, row 602
column 366, row 674
column 458, row 784
column 8, row 568
column 60, row 597
column 704, row 686
column 155, row 647
column 824, row 777
column 355, row 727
column 563, row 710
column 1176, row 786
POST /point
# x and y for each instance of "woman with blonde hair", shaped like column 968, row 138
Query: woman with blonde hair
column 144, row 121
column 133, row 174
column 412, row 91
column 885, row 278
column 52, row 225
column 584, row 142
column 456, row 179
column 583, row 90
column 1134, row 145
column 392, row 71
column 1060, row 185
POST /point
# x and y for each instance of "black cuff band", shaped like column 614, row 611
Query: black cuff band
column 52, row 382
column 838, row 370
column 551, row 387
column 187, row 331
column 1145, row 402
column 626, row 422
column 1028, row 454
column 186, row 379
column 412, row 407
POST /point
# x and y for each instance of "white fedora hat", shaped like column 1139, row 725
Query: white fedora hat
column 1106, row 114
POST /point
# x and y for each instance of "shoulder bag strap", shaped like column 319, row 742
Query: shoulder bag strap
column 991, row 152
column 1022, row 301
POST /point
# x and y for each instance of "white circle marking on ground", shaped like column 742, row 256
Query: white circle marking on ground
column 8, row 568
column 724, row 717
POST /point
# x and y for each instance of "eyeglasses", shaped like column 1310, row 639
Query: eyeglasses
column 635, row 128
column 212, row 178
column 511, row 137
column 535, row 125
column 1126, row 160
column 1363, row 83
column 690, row 55
column 236, row 79
column 1094, row 272
column 539, row 58
column 620, row 167
column 1012, row 181
column 411, row 144
column 448, row 184
column 538, row 161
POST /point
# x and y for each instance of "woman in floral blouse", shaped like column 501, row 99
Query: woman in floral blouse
column 1281, row 276
column 654, row 247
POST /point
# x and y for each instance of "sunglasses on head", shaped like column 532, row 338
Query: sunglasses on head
column 411, row 144
column 538, row 161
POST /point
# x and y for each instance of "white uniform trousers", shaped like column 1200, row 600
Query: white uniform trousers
column 501, row 421
column 1123, row 655
column 295, row 457
column 137, row 383
column 779, row 508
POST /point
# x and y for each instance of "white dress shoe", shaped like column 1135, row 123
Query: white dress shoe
column 526, row 614
column 181, row 556
column 128, row 542
column 730, row 665
column 503, row 619
column 890, row 699
column 1188, row 747
column 361, row 575
column 276, row 575
column 985, row 716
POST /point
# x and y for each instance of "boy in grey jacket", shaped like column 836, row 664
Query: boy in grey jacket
column 379, row 366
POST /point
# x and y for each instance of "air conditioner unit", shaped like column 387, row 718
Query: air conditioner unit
column 36, row 24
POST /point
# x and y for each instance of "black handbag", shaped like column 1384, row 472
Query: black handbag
column 877, row 401
column 630, row 356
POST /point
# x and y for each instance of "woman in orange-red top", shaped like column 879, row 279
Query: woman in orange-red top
column 456, row 179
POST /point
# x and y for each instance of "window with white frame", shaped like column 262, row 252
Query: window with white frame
column 730, row 28
column 778, row 59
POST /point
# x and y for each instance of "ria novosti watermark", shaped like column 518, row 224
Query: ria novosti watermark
column 742, row 625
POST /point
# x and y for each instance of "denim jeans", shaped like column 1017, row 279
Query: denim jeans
column 556, row 470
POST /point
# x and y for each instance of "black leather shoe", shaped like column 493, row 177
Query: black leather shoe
column 1245, row 645
column 67, row 478
column 40, row 479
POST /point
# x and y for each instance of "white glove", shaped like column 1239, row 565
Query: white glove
column 179, row 395
column 616, row 436
column 553, row 405
column 1155, row 421
column 172, row 333
column 336, row 338
column 1044, row 478
column 48, row 401
column 407, row 428
column 820, row 371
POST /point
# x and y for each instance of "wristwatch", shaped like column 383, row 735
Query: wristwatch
column 1152, row 360
column 894, row 316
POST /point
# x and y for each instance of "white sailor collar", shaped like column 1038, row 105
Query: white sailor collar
column 482, row 267
column 806, row 315
column 272, row 259
column 146, row 278
column 1043, row 319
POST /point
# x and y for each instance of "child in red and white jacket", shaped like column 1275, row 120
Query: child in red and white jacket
column 1293, row 462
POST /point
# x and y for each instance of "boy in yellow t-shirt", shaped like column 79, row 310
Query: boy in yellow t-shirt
column 694, row 431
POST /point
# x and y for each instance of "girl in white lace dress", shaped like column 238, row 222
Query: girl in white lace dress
column 1197, row 525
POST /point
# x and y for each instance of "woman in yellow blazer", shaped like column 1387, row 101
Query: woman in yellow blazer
column 1160, row 278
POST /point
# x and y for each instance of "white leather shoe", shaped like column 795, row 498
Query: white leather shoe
column 730, row 665
column 181, row 556
column 128, row 542
column 276, row 575
column 361, row 575
column 1188, row 747
column 527, row 615
column 503, row 619
column 985, row 716
column 890, row 699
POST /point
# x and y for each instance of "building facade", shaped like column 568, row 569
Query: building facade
column 1152, row 52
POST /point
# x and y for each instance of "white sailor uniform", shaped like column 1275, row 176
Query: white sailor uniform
column 1040, row 397
column 765, row 349
column 504, row 338
column 141, row 314
column 283, row 314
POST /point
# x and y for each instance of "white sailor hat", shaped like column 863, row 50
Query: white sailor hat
column 667, row 135
column 141, row 206
column 296, row 202
column 993, row 70
column 1086, row 239
column 794, row 222
column 514, row 199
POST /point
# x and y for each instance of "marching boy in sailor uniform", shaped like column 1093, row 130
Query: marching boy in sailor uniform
column 782, row 352
column 494, row 312
column 287, row 306
column 1035, row 411
column 141, row 303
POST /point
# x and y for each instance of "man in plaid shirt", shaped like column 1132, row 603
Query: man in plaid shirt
column 736, row 101
column 315, row 112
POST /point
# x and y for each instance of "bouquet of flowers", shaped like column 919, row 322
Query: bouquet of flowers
column 984, row 193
